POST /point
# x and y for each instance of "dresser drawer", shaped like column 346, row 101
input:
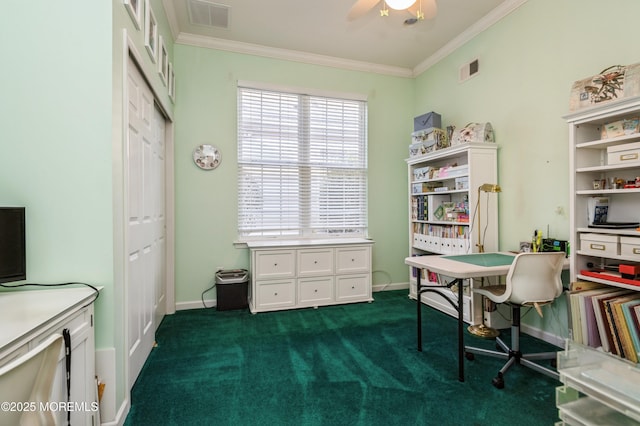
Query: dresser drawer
column 353, row 287
column 352, row 259
column 315, row 291
column 276, row 294
column 274, row 264
column 315, row 262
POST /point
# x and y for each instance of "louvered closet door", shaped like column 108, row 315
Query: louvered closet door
column 146, row 235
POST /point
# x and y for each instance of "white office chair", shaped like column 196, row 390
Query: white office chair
column 28, row 379
column 533, row 280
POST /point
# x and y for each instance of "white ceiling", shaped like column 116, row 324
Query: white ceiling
column 318, row 31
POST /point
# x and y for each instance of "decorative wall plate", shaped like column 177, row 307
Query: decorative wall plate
column 207, row 157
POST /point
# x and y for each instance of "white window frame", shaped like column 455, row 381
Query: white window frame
column 293, row 171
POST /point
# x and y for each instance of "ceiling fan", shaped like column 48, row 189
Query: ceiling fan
column 420, row 9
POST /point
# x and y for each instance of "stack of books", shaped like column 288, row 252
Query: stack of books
column 606, row 317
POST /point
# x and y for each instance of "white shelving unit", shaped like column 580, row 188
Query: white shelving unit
column 589, row 162
column 598, row 388
column 601, row 388
column 442, row 184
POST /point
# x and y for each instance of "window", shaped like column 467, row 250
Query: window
column 302, row 165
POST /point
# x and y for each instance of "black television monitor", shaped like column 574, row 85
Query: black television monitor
column 13, row 258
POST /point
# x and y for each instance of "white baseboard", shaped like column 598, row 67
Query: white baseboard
column 554, row 339
column 183, row 306
column 390, row 286
column 106, row 372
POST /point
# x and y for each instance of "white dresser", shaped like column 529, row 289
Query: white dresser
column 309, row 273
column 28, row 317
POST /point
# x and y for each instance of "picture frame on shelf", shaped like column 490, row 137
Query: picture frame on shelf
column 163, row 60
column 134, row 8
column 172, row 83
column 151, row 32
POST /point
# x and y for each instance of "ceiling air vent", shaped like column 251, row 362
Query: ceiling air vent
column 469, row 70
column 208, row 14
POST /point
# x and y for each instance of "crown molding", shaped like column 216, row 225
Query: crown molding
column 484, row 23
column 170, row 12
column 290, row 55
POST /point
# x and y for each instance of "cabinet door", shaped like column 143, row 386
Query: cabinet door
column 313, row 262
column 274, row 264
column 275, row 294
column 352, row 259
column 82, row 371
column 353, row 287
column 315, row 291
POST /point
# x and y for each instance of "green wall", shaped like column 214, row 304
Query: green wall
column 528, row 62
column 55, row 149
column 206, row 203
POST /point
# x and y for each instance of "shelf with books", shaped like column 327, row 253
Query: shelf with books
column 442, row 193
column 605, row 219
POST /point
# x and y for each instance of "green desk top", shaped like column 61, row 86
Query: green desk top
column 484, row 259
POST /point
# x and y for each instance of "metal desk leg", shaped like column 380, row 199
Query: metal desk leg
column 419, row 313
column 460, row 331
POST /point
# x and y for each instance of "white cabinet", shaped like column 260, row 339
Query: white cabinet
column 309, row 273
column 598, row 388
column 604, row 166
column 594, row 171
column 30, row 317
column 443, row 217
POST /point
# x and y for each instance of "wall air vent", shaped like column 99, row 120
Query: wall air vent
column 469, row 70
column 208, row 14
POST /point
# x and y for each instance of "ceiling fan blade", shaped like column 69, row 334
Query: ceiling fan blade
column 429, row 8
column 360, row 8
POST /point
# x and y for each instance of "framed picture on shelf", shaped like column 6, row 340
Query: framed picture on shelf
column 151, row 32
column 172, row 83
column 163, row 60
column 134, row 7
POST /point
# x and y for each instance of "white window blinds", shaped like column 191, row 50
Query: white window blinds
column 302, row 165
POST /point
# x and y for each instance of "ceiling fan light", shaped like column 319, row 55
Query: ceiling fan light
column 400, row 4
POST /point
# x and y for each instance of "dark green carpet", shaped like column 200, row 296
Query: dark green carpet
column 340, row 365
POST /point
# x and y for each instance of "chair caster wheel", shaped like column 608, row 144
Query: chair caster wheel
column 498, row 382
column 469, row 356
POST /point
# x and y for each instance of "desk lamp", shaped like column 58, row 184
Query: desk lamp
column 481, row 330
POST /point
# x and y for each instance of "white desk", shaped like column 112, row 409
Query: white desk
column 459, row 267
column 28, row 317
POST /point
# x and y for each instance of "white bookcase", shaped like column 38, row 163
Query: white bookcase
column 600, row 388
column 596, row 155
column 442, row 184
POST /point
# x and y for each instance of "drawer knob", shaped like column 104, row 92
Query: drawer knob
column 353, row 287
column 315, row 262
column 353, row 260
column 275, row 294
column 275, row 264
column 315, row 291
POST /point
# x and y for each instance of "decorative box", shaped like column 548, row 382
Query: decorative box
column 630, row 247
column 473, row 132
column 426, row 121
column 600, row 244
column 421, row 148
column 619, row 128
column 613, row 83
column 627, row 153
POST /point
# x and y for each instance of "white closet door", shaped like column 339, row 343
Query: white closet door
column 145, row 213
